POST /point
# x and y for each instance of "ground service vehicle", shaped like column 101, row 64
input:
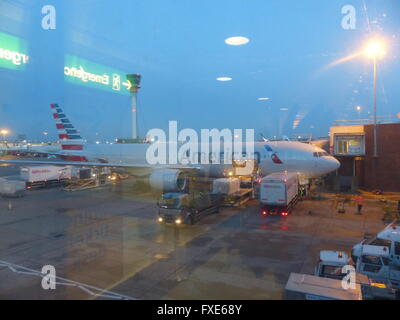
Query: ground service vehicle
column 331, row 263
column 372, row 263
column 279, row 193
column 231, row 191
column 41, row 176
column 11, row 188
column 388, row 237
column 375, row 263
column 185, row 208
column 309, row 287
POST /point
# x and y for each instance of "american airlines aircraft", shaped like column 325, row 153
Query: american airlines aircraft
column 307, row 160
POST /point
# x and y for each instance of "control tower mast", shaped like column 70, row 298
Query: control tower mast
column 134, row 81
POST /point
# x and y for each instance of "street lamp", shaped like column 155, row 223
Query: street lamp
column 358, row 109
column 374, row 50
column 4, row 132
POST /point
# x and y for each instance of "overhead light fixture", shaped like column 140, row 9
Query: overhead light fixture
column 263, row 99
column 284, row 109
column 224, row 79
column 236, row 41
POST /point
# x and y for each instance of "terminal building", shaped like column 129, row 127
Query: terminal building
column 353, row 146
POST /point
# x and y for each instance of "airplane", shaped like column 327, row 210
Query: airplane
column 271, row 156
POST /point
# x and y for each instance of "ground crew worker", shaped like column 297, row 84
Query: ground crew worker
column 359, row 202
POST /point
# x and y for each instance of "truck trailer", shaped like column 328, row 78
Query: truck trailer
column 232, row 192
column 279, row 193
column 43, row 176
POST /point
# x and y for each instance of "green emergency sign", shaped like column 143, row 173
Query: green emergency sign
column 87, row 73
column 13, row 52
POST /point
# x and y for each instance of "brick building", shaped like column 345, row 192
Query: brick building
column 353, row 146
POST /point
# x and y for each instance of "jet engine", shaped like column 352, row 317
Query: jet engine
column 168, row 180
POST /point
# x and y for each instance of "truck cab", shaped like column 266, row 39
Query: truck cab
column 331, row 263
column 388, row 237
column 184, row 208
column 375, row 263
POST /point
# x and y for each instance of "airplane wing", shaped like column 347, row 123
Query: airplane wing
column 97, row 164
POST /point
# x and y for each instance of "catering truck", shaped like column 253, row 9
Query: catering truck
column 185, row 208
column 279, row 193
column 42, row 176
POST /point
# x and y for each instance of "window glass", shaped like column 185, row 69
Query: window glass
column 381, row 242
column 372, row 260
column 332, row 271
column 397, row 248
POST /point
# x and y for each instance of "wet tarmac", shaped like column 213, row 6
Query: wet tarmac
column 109, row 238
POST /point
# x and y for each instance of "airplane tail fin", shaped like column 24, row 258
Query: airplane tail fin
column 71, row 140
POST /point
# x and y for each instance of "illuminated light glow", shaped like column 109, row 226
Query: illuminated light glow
column 284, row 109
column 224, row 79
column 237, row 41
column 375, row 49
column 263, row 99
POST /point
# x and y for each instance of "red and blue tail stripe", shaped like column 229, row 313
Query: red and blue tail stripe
column 71, row 141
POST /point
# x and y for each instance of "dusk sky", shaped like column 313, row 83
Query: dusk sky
column 178, row 46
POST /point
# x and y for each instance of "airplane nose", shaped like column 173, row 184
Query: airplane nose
column 334, row 164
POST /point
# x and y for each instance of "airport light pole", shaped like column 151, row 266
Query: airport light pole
column 375, row 129
column 375, row 50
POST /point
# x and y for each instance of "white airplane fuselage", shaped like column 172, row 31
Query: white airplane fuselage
column 307, row 160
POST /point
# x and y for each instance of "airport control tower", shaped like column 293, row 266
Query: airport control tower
column 134, row 80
